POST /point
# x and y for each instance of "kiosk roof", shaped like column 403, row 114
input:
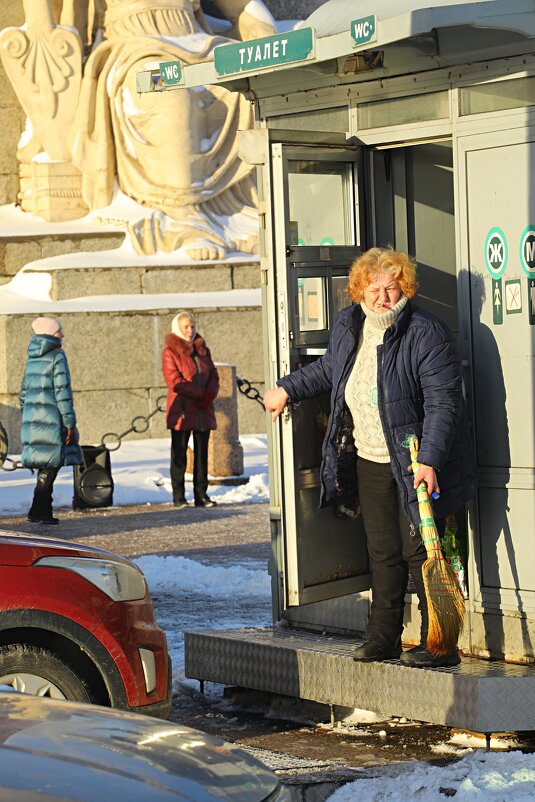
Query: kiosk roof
column 335, row 16
column 394, row 21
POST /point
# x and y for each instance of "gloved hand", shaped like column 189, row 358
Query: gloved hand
column 70, row 438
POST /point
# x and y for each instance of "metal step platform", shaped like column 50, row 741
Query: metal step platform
column 478, row 695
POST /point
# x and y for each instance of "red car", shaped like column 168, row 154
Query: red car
column 78, row 623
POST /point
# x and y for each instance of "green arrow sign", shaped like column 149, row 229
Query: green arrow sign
column 257, row 54
column 171, row 72
column 364, row 30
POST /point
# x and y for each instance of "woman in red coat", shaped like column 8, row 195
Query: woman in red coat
column 193, row 384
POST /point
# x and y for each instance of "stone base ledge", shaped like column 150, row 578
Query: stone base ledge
column 18, row 251
column 118, row 272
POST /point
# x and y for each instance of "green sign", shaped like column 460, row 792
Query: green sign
column 527, row 251
column 497, row 302
column 257, row 54
column 531, row 301
column 171, row 72
column 496, row 252
column 364, row 30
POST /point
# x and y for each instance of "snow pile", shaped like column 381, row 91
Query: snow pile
column 484, row 776
column 182, row 575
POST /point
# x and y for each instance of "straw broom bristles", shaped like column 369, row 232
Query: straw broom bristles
column 445, row 602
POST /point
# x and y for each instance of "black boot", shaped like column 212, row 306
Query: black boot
column 419, row 657
column 371, row 652
column 41, row 509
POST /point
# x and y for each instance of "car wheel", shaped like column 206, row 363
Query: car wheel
column 39, row 672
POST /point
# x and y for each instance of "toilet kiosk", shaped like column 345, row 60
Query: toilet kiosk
column 387, row 122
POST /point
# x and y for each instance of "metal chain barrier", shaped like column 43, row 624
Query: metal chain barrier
column 14, row 465
column 4, row 445
column 246, row 388
column 139, row 425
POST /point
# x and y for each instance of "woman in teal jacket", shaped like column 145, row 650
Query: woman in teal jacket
column 49, row 435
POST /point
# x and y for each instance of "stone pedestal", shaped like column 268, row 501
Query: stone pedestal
column 225, row 452
column 52, row 190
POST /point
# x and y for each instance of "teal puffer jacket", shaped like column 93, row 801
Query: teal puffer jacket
column 47, row 407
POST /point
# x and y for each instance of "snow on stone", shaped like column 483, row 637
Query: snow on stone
column 208, row 142
column 259, row 12
column 10, row 304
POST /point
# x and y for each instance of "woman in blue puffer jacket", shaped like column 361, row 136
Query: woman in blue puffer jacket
column 392, row 369
column 49, row 435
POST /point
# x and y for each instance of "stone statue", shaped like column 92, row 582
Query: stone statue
column 174, row 153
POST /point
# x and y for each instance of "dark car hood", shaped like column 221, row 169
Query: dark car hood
column 52, row 750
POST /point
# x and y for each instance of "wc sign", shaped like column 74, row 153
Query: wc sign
column 171, row 72
column 364, row 30
column 496, row 252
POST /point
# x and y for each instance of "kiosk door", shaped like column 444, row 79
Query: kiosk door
column 497, row 172
column 317, row 233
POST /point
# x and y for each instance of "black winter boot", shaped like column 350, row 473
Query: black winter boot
column 419, row 657
column 371, row 652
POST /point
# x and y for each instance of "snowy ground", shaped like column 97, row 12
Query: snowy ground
column 191, row 595
column 140, row 470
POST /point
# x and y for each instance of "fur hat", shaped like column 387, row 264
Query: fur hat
column 46, row 325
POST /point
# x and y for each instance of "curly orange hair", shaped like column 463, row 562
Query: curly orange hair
column 382, row 260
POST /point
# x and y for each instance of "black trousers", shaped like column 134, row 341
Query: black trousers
column 179, row 447
column 42, row 497
column 394, row 549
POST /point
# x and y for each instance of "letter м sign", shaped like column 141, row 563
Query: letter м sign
column 171, row 72
column 256, row 54
column 364, row 30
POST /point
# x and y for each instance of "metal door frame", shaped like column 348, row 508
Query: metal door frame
column 281, row 152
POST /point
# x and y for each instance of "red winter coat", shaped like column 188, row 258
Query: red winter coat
column 193, row 384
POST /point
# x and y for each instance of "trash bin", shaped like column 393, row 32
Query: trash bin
column 93, row 483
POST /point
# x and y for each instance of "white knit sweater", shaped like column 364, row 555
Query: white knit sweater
column 361, row 387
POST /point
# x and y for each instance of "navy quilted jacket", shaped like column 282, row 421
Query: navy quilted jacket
column 47, row 407
column 419, row 392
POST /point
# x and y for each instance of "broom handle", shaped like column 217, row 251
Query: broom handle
column 424, row 505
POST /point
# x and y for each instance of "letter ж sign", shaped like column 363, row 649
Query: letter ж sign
column 496, row 253
column 364, row 30
column 171, row 72
column 257, row 54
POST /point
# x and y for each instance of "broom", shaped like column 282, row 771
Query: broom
column 445, row 602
